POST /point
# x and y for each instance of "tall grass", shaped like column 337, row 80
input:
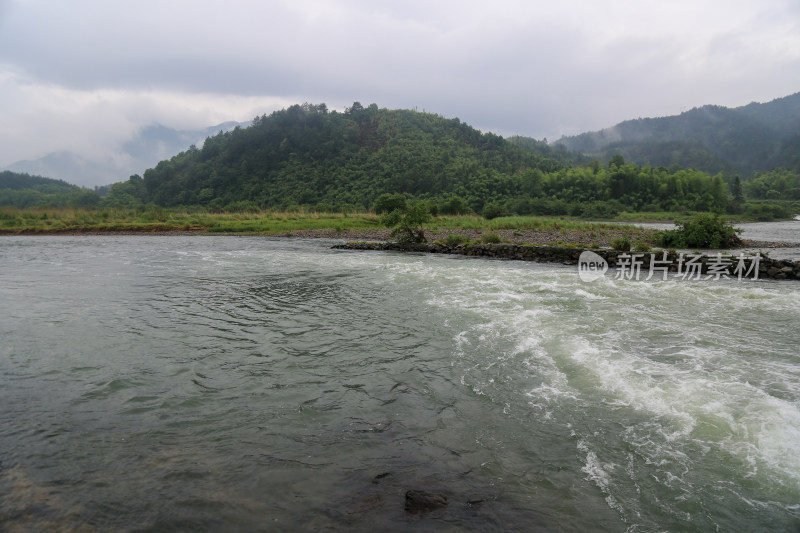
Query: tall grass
column 548, row 224
column 266, row 222
column 14, row 220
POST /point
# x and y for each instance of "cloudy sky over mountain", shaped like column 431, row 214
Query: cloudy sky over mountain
column 85, row 75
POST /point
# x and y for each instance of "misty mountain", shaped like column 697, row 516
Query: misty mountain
column 308, row 157
column 150, row 145
column 68, row 166
column 744, row 140
column 556, row 152
column 156, row 142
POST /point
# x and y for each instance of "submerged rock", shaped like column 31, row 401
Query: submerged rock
column 419, row 501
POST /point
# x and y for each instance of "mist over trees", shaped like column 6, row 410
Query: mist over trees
column 745, row 140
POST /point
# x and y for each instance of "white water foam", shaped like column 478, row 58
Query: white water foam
column 699, row 379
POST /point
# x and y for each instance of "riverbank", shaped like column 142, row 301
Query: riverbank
column 351, row 226
column 601, row 235
column 629, row 265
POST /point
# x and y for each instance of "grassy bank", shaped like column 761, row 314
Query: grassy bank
column 130, row 220
column 14, row 221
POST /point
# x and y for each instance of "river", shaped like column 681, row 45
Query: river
column 163, row 383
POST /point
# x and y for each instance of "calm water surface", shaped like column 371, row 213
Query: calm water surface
column 252, row 384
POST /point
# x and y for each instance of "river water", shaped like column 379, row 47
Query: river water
column 153, row 383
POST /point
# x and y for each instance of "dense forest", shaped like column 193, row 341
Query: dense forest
column 744, row 140
column 307, row 156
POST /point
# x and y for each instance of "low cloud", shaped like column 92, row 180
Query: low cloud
column 84, row 76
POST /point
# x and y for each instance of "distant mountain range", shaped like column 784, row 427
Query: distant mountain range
column 743, row 140
column 308, row 157
column 152, row 144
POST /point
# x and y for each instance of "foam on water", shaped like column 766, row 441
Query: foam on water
column 600, row 474
column 684, row 368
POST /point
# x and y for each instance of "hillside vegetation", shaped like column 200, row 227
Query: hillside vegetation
column 307, row 157
column 744, row 140
column 25, row 191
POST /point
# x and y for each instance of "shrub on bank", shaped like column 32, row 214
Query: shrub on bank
column 491, row 238
column 456, row 239
column 704, row 230
column 408, row 223
column 621, row 244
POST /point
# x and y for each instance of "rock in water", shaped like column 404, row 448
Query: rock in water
column 419, row 501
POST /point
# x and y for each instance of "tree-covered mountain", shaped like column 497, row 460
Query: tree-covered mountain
column 743, row 140
column 23, row 190
column 19, row 181
column 306, row 155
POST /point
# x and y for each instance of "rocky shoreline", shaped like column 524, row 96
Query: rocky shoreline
column 627, row 264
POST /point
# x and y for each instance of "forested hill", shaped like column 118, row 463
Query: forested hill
column 18, row 181
column 24, row 190
column 558, row 152
column 744, row 140
column 307, row 155
column 311, row 158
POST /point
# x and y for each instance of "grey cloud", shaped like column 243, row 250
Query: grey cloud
column 538, row 69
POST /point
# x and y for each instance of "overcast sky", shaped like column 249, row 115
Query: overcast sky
column 85, row 75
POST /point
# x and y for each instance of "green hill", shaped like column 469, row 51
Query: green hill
column 306, row 155
column 19, row 181
column 744, row 140
column 23, row 191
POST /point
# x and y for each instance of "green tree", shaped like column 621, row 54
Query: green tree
column 616, row 161
column 408, row 224
column 386, row 203
column 736, row 190
column 493, row 210
column 454, row 206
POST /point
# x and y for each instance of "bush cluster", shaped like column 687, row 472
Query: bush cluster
column 705, row 230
